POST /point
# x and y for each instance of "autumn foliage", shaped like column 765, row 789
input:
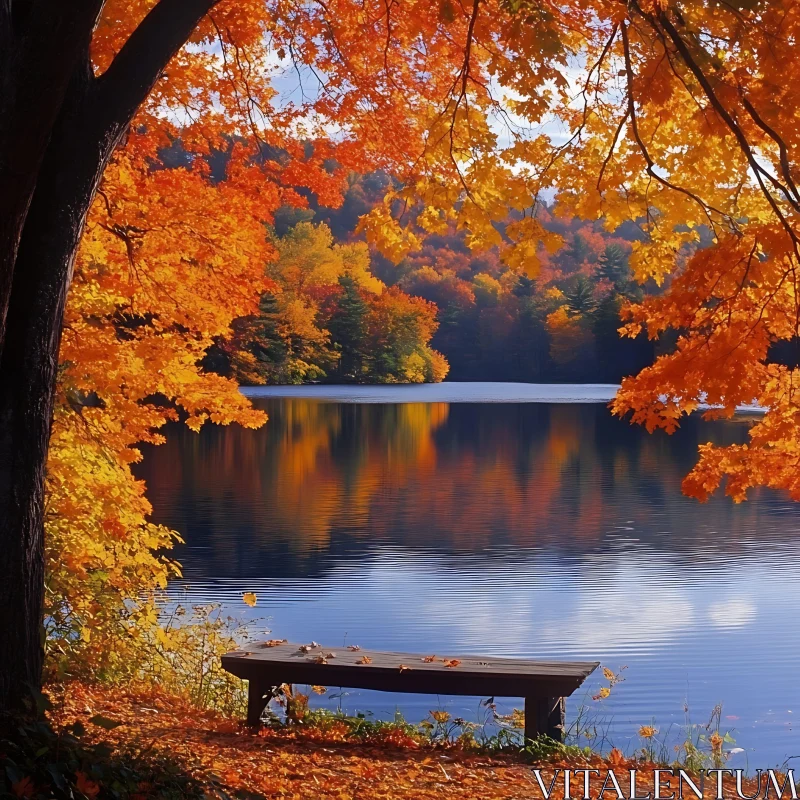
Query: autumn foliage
column 157, row 278
column 682, row 121
column 174, row 252
column 679, row 119
column 329, row 317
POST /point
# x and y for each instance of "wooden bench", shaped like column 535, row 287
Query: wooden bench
column 543, row 684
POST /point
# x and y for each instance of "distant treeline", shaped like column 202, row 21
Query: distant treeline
column 337, row 312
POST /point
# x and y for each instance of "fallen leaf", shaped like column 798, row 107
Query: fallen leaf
column 319, row 660
column 354, row 647
column 616, row 758
column 249, row 599
column 330, row 655
column 404, row 668
column 429, row 659
column 274, row 642
column 84, row 784
column 318, row 689
column 451, row 663
column 364, row 660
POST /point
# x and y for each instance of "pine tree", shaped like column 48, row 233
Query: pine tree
column 348, row 329
column 525, row 287
column 528, row 342
column 617, row 357
column 268, row 345
column 613, row 267
column 578, row 250
column 580, row 296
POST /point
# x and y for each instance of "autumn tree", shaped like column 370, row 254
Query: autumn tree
column 399, row 329
column 281, row 343
column 327, row 316
column 287, row 341
column 682, row 120
column 137, row 323
column 81, row 80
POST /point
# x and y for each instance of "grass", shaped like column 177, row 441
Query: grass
column 691, row 746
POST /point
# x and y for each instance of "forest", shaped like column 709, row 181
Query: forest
column 341, row 312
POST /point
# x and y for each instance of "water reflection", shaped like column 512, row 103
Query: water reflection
column 518, row 529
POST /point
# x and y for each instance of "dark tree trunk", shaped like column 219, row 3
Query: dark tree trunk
column 41, row 43
column 65, row 188
column 66, row 123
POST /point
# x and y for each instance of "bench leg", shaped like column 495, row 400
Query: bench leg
column 256, row 701
column 544, row 715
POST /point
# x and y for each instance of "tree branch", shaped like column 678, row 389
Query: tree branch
column 650, row 165
column 124, row 86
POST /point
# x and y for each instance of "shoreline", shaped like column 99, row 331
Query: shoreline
column 453, row 392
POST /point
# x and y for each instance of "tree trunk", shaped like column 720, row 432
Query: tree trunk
column 40, row 46
column 66, row 185
column 66, row 122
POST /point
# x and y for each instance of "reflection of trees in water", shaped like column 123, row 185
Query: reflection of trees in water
column 325, row 481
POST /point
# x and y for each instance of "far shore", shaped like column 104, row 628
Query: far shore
column 455, row 392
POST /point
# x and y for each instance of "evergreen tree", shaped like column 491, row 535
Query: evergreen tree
column 605, row 326
column 348, row 329
column 578, row 250
column 529, row 343
column 267, row 344
column 617, row 357
column 580, row 296
column 525, row 287
column 613, row 267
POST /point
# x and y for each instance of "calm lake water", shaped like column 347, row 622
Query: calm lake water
column 398, row 518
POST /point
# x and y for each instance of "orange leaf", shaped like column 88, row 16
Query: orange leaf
column 616, row 758
column 86, row 785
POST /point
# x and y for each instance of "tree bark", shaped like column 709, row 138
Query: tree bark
column 65, row 186
column 41, row 42
column 70, row 140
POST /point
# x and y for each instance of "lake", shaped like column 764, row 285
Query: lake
column 498, row 519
